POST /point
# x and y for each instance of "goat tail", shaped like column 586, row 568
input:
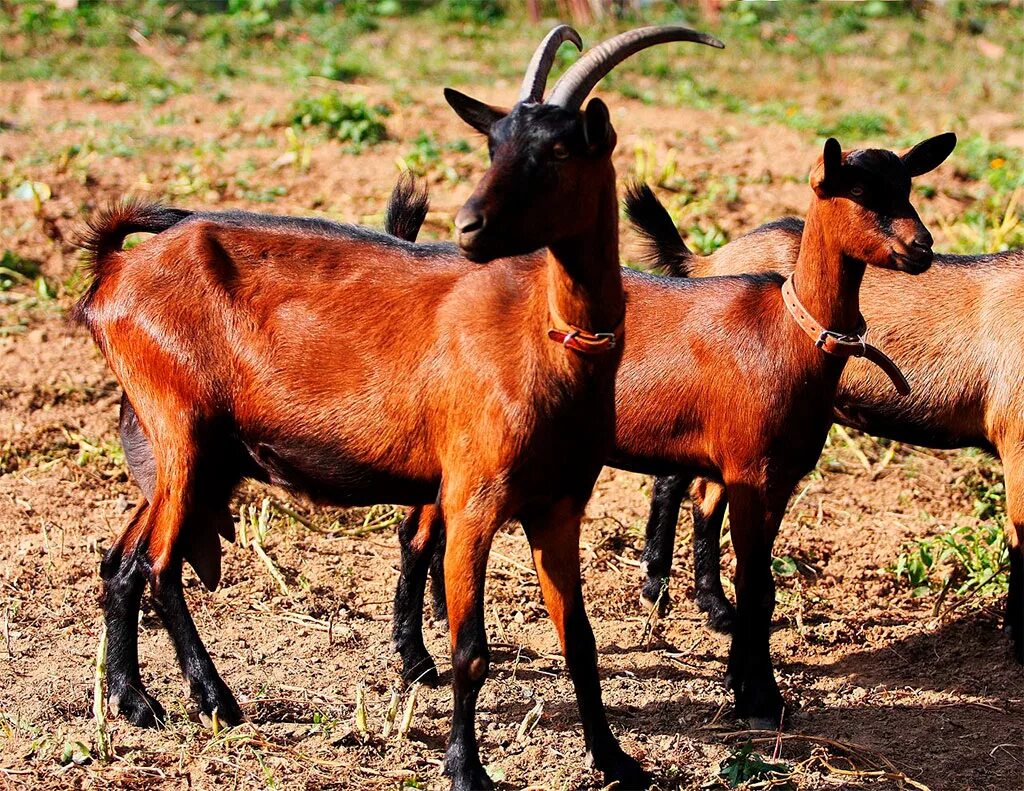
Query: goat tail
column 407, row 208
column 105, row 233
column 664, row 248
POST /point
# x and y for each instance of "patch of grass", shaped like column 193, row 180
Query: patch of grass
column 427, row 155
column 857, row 126
column 349, row 120
column 966, row 559
column 1000, row 166
column 988, row 227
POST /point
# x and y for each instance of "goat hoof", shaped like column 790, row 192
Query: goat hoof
column 721, row 614
column 625, row 771
column 138, row 707
column 420, row 670
column 654, row 593
column 762, row 711
column 221, row 700
column 723, row 620
column 469, row 778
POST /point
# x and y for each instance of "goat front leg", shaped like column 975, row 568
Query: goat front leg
column 469, row 536
column 554, row 540
column 418, row 536
column 124, row 575
column 750, row 675
column 709, row 505
column 660, row 540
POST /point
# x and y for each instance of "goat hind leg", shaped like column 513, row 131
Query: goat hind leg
column 188, row 530
column 708, row 514
column 124, row 577
column 418, row 538
column 206, row 686
column 660, row 539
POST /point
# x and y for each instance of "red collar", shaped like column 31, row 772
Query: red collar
column 581, row 340
column 839, row 344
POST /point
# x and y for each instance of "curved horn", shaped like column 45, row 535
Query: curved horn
column 574, row 86
column 540, row 64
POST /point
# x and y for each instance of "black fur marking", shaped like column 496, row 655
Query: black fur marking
column 407, row 624
column 462, row 757
column 660, row 538
column 707, row 569
column 207, row 688
column 124, row 578
column 407, row 209
column 663, row 245
column 790, row 225
column 322, row 472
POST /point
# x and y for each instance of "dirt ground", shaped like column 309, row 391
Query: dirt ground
column 883, row 694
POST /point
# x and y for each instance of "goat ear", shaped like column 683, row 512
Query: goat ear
column 597, row 127
column 928, row 154
column 825, row 176
column 478, row 115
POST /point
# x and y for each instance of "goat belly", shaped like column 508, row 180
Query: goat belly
column 328, row 475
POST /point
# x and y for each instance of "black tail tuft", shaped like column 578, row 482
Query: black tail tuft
column 663, row 246
column 407, row 208
column 105, row 233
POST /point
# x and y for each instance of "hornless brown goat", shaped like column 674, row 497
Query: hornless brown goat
column 284, row 350
column 720, row 379
column 957, row 334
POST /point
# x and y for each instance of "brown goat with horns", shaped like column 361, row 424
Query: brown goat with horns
column 266, row 347
column 719, row 379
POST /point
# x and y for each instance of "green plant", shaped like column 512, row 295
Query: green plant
column 349, row 120
column 744, row 765
column 705, row 240
column 16, row 270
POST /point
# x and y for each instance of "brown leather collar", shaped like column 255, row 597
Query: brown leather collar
column 838, row 344
column 582, row 341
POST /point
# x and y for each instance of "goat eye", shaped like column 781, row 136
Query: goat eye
column 857, row 191
column 560, row 151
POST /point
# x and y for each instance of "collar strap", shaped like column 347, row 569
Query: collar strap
column 580, row 340
column 839, row 344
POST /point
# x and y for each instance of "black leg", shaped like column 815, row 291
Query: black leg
column 123, row 581
column 418, row 537
column 656, row 561
column 437, row 593
column 750, row 674
column 708, row 513
column 1014, row 624
column 205, row 684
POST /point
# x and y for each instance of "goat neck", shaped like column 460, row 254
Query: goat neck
column 826, row 279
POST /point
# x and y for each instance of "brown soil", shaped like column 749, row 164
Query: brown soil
column 876, row 682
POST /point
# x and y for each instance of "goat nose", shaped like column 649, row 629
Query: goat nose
column 468, row 220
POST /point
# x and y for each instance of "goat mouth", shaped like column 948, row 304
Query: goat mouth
column 474, row 249
column 912, row 264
